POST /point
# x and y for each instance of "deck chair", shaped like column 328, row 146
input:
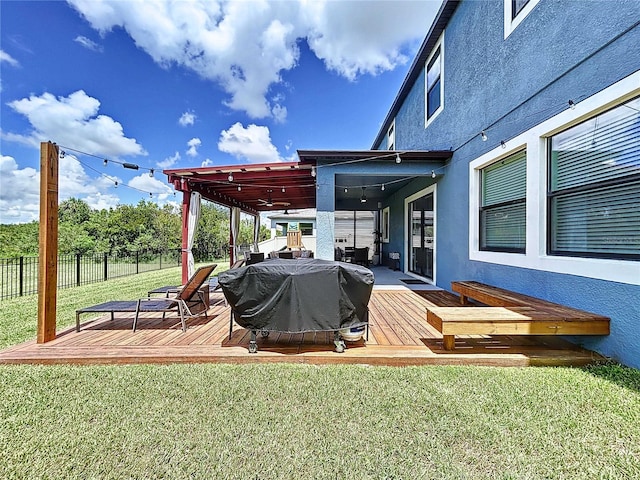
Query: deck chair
column 188, row 302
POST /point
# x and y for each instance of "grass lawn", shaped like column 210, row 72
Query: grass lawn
column 18, row 316
column 305, row 422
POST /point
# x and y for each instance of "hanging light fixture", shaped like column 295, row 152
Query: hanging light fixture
column 346, row 189
column 363, row 198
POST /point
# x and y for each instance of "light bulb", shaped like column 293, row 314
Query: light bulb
column 313, row 171
column 503, row 144
column 483, row 136
column 398, row 159
column 151, row 172
column 382, row 187
column 230, row 177
column 572, row 105
column 239, row 188
column 433, row 174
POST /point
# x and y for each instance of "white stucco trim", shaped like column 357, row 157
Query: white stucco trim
column 534, row 140
column 405, row 254
column 511, row 24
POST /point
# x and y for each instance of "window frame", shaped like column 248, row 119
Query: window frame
column 513, row 19
column 391, row 136
column 535, row 141
column 588, row 187
column 439, row 50
column 484, row 208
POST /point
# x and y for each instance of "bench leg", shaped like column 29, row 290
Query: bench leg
column 449, row 342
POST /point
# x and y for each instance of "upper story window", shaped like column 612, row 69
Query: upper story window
column 514, row 12
column 434, row 82
column 503, row 205
column 594, row 186
column 391, row 136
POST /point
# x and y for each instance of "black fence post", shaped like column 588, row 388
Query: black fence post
column 105, row 265
column 78, row 258
column 160, row 260
column 21, row 275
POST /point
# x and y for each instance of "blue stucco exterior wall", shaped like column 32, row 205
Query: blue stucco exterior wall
column 562, row 50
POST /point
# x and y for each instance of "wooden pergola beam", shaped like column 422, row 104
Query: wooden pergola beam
column 48, row 243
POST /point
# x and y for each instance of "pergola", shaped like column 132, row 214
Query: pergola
column 252, row 189
column 255, row 188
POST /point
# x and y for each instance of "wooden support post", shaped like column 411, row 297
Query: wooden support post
column 449, row 342
column 48, row 243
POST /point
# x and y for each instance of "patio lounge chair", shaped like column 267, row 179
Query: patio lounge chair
column 188, row 302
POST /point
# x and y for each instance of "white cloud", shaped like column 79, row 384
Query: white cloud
column 187, row 118
column 5, row 57
column 206, row 162
column 20, row 188
column 170, row 161
column 245, row 46
column 160, row 190
column 193, row 145
column 88, row 43
column 72, row 121
column 19, row 192
column 252, row 143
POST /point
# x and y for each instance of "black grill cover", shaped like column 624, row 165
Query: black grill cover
column 298, row 295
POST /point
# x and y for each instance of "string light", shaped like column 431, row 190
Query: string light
column 151, row 173
column 313, row 171
column 382, row 187
column 483, row 136
column 230, row 177
column 363, row 198
column 433, row 174
column 283, row 190
column 398, row 159
column 105, row 162
column 503, row 144
column 346, row 189
column 239, row 188
column 572, row 105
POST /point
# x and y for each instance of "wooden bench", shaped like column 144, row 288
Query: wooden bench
column 509, row 313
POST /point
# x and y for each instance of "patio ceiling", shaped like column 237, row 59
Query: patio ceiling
column 290, row 185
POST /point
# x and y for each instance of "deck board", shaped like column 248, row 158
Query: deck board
column 398, row 335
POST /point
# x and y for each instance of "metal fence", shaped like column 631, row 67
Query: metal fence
column 19, row 276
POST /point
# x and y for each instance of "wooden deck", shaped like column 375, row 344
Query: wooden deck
column 399, row 335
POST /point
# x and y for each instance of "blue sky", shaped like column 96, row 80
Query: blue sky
column 172, row 84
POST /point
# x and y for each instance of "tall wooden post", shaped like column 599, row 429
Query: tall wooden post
column 48, row 243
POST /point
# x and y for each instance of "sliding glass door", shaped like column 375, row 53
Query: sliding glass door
column 421, row 236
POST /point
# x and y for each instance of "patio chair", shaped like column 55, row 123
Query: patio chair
column 189, row 300
column 361, row 256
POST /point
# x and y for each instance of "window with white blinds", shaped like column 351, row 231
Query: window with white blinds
column 503, row 205
column 594, row 186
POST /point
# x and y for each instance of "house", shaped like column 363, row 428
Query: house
column 539, row 103
column 510, row 155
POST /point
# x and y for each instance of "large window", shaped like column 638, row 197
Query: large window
column 594, row 186
column 503, row 204
column 434, row 81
